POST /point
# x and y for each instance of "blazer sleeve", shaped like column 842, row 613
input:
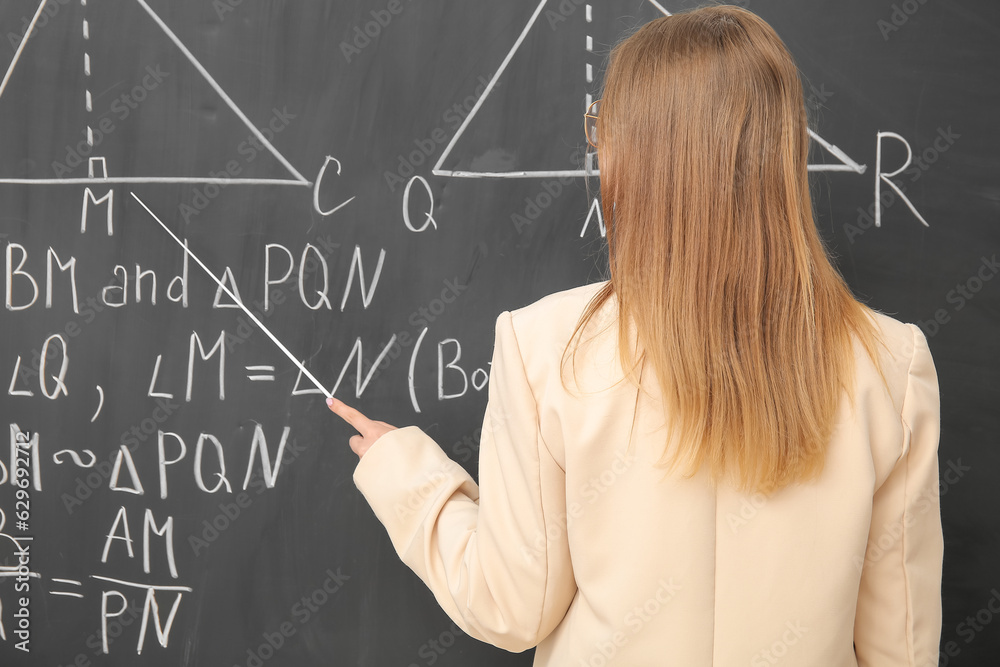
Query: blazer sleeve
column 495, row 555
column 898, row 619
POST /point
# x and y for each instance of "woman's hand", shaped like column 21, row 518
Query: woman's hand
column 370, row 430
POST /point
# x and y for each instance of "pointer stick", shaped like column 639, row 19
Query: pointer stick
column 232, row 296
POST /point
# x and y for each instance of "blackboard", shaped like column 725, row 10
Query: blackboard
column 389, row 176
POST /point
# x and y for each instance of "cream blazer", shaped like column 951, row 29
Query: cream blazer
column 572, row 543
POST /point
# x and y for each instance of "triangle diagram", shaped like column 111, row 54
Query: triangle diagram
column 556, row 57
column 106, row 92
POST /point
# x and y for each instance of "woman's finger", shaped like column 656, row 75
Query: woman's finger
column 350, row 415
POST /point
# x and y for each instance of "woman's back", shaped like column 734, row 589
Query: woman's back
column 724, row 578
column 574, row 541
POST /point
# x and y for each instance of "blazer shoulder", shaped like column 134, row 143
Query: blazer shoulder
column 551, row 311
column 544, row 329
column 900, row 337
column 903, row 343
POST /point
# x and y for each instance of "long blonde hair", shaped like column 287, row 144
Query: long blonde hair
column 713, row 252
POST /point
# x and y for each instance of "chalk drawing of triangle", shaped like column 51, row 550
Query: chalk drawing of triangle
column 844, row 162
column 293, row 176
